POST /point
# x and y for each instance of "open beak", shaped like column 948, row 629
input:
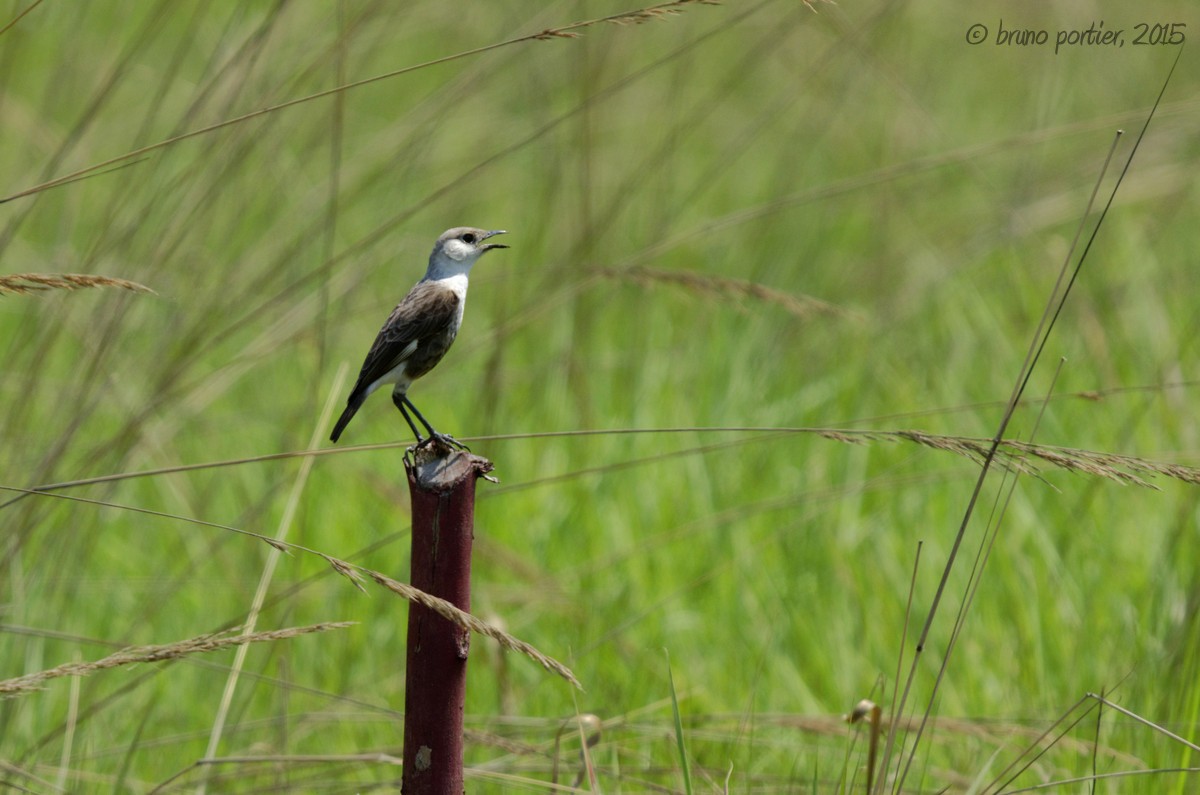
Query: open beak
column 493, row 233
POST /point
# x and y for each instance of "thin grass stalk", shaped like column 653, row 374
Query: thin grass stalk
column 680, row 747
column 564, row 31
column 1037, row 346
column 1118, row 467
column 264, row 582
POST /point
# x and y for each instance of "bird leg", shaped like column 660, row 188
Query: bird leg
column 400, row 400
column 441, row 437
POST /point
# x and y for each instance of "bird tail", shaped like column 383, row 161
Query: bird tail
column 352, row 406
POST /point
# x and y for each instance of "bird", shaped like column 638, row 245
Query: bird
column 421, row 329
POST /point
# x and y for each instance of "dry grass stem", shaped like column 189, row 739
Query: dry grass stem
column 19, row 17
column 158, row 653
column 465, row 620
column 25, row 283
column 635, row 17
column 356, row 576
column 562, row 32
column 1023, row 457
column 724, row 287
column 346, row 570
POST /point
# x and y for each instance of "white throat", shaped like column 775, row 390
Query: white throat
column 454, row 281
column 443, row 267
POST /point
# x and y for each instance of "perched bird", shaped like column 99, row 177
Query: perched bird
column 421, row 328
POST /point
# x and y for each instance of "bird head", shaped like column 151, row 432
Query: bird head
column 465, row 244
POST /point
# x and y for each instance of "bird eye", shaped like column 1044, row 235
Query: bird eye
column 469, row 238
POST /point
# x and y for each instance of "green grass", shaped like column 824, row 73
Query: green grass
column 865, row 156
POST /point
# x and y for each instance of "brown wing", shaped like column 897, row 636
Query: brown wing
column 425, row 316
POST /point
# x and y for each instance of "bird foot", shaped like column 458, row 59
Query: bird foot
column 443, row 439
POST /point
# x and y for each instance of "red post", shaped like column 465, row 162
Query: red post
column 442, row 484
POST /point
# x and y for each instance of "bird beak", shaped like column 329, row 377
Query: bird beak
column 492, row 233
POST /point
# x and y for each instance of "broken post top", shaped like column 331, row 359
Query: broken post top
column 436, row 466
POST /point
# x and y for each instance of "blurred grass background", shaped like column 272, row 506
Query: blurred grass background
column 864, row 156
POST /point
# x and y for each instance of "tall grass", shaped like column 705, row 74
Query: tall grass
column 746, row 215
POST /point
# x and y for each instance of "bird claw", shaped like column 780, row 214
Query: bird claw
column 443, row 439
